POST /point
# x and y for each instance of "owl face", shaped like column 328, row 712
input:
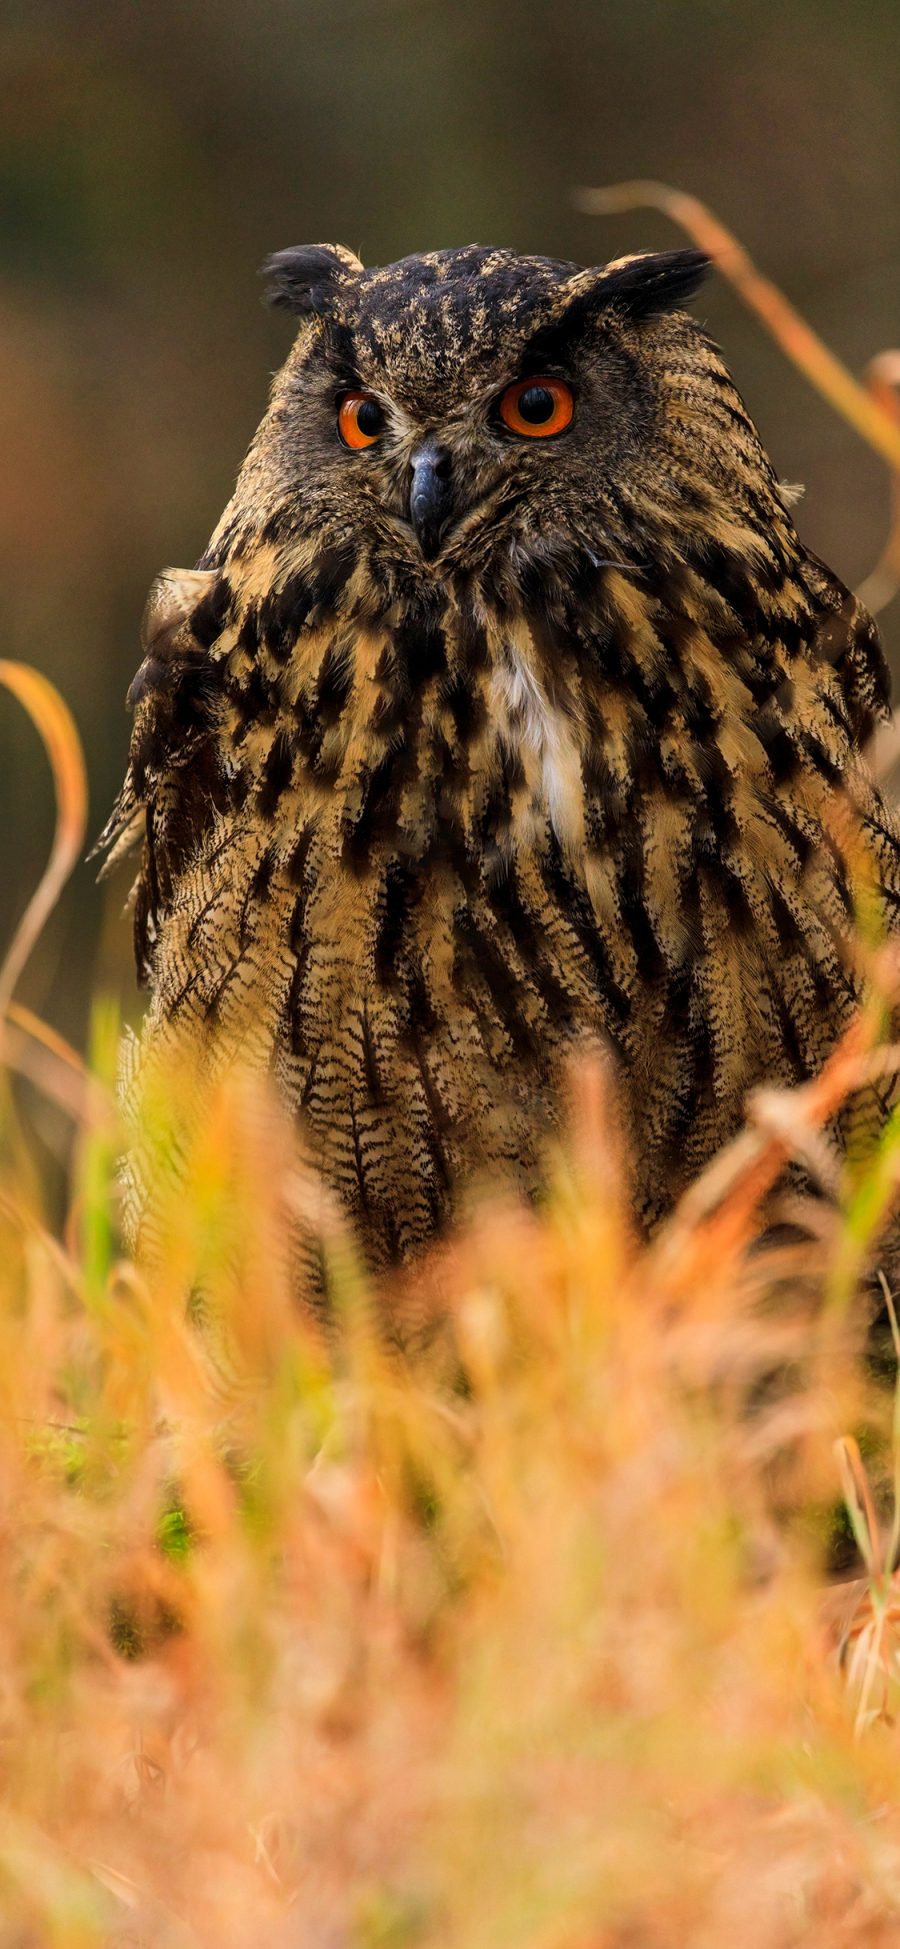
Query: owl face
column 438, row 411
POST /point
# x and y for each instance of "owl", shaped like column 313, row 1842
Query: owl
column 504, row 717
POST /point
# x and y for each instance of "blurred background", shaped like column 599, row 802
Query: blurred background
column 151, row 156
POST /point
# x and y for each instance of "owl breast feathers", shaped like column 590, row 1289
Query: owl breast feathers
column 504, row 713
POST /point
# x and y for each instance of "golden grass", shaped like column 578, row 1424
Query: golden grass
column 525, row 1639
column 530, row 1638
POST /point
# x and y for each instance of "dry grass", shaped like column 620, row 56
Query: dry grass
column 530, row 1639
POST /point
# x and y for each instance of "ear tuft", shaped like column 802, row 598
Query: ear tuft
column 305, row 278
column 654, row 281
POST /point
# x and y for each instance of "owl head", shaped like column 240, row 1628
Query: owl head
column 437, row 415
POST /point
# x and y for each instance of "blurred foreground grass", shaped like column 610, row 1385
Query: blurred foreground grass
column 528, row 1638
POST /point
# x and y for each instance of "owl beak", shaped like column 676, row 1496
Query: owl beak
column 429, row 496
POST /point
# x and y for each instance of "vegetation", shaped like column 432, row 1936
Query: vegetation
column 528, row 1638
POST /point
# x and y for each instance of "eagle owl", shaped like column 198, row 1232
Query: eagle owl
column 504, row 713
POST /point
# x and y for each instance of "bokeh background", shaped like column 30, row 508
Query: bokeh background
column 152, row 155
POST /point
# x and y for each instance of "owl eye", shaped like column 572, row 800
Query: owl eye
column 360, row 420
column 537, row 407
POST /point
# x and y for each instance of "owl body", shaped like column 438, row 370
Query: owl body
column 471, row 745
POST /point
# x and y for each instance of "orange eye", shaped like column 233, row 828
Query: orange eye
column 537, row 407
column 360, row 420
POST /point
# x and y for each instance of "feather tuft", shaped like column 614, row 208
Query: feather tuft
column 304, row 278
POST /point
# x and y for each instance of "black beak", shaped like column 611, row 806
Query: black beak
column 429, row 496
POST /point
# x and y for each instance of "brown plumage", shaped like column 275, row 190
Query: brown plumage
column 432, row 788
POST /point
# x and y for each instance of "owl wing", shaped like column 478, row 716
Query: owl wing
column 174, row 781
column 848, row 644
column 847, row 639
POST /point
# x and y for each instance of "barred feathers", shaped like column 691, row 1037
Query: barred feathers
column 412, row 834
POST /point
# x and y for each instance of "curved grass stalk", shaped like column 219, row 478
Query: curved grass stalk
column 54, row 722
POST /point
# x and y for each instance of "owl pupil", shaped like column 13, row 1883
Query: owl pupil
column 535, row 404
column 369, row 417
